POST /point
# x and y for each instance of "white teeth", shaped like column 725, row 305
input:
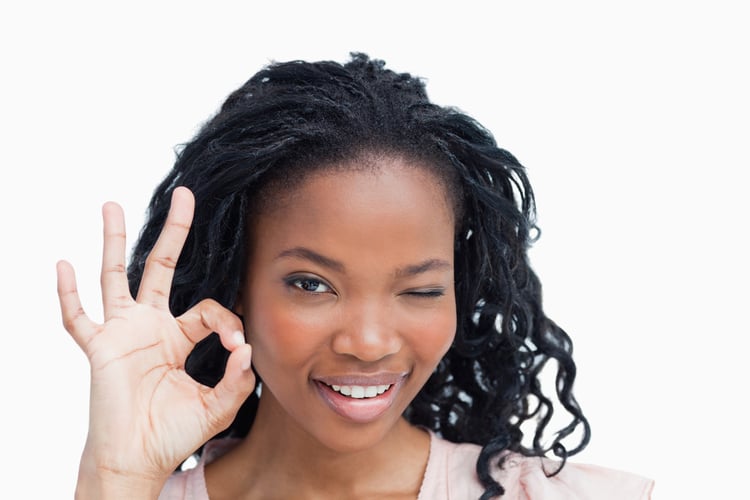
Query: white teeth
column 360, row 391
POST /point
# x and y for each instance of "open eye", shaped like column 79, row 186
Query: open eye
column 309, row 284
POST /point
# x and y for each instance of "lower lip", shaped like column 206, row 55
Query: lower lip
column 358, row 410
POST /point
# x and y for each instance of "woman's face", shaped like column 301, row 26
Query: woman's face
column 349, row 299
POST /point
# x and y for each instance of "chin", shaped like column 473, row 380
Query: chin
column 349, row 439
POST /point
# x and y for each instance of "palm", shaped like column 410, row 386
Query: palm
column 146, row 413
column 140, row 396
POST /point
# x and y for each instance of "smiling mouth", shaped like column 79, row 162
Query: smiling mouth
column 360, row 391
column 359, row 403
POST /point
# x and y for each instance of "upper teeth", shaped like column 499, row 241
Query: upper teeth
column 361, row 391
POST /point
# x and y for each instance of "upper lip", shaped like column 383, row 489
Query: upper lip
column 361, row 379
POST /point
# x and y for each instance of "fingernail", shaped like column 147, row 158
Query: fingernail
column 239, row 338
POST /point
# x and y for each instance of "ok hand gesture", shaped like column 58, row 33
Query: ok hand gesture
column 146, row 413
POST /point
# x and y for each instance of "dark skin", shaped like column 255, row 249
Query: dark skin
column 349, row 284
column 146, row 413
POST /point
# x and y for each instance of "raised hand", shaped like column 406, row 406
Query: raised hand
column 146, row 413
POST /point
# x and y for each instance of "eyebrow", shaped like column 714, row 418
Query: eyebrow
column 403, row 272
column 307, row 254
column 423, row 267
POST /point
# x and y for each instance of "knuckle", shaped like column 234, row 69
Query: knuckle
column 158, row 294
column 164, row 261
column 117, row 235
column 209, row 303
column 68, row 325
column 113, row 268
column 70, row 320
column 216, row 416
column 122, row 300
column 178, row 225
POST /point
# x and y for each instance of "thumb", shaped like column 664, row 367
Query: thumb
column 234, row 388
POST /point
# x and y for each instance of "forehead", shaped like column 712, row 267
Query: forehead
column 372, row 175
column 386, row 207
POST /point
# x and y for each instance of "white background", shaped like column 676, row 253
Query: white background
column 632, row 118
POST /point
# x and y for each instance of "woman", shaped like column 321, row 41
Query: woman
column 371, row 247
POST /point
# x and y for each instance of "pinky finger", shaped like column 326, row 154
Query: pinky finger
column 75, row 321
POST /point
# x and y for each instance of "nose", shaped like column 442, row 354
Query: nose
column 367, row 333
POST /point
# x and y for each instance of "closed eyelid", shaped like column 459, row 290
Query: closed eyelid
column 428, row 292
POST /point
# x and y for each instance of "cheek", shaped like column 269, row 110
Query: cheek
column 431, row 334
column 283, row 334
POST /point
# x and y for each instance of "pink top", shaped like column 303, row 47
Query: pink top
column 451, row 475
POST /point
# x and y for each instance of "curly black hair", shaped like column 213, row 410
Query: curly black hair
column 291, row 118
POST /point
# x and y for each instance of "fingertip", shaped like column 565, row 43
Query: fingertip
column 239, row 367
column 183, row 192
column 65, row 274
column 238, row 338
column 110, row 205
column 242, row 357
column 182, row 206
column 233, row 340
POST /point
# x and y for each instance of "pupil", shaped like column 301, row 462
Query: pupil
column 310, row 285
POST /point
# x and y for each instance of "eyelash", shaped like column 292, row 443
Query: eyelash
column 297, row 282
column 427, row 294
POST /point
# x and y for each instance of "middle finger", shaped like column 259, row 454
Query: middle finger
column 114, row 281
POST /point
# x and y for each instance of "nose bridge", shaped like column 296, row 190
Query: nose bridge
column 367, row 332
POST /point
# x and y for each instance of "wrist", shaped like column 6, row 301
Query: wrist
column 96, row 482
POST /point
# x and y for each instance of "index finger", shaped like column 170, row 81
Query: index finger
column 161, row 262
